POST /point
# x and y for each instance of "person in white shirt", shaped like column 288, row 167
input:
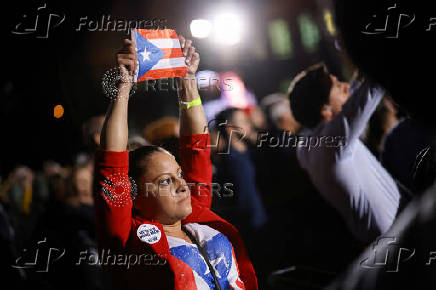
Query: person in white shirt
column 340, row 166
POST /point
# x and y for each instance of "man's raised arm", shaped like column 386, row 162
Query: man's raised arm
column 356, row 112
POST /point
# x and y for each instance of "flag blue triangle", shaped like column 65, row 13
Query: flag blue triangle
column 154, row 54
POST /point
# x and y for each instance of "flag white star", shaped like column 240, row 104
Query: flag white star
column 215, row 262
column 145, row 54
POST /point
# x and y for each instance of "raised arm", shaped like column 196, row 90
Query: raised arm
column 192, row 120
column 356, row 112
column 115, row 132
column 194, row 137
column 113, row 202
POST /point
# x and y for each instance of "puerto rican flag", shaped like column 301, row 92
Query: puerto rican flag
column 221, row 255
column 159, row 54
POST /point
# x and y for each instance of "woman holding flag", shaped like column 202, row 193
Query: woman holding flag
column 165, row 236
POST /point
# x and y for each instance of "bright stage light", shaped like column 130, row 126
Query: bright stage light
column 200, row 28
column 228, row 28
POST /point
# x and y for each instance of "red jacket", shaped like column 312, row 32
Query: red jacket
column 135, row 264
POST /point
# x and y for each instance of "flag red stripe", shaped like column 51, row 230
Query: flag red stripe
column 185, row 277
column 163, row 73
column 160, row 33
column 172, row 52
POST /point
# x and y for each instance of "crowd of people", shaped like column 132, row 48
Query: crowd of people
column 287, row 190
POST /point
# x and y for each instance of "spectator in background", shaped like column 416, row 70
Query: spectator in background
column 20, row 194
column 165, row 127
column 382, row 121
column 235, row 166
column 233, row 94
column 8, row 252
column 257, row 118
column 136, row 142
column 164, row 132
column 278, row 112
column 49, row 168
column 343, row 170
column 278, row 162
column 91, row 132
column 407, row 249
column 399, row 153
column 69, row 223
column 81, row 191
column 21, row 190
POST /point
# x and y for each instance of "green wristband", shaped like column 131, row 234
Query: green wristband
column 193, row 103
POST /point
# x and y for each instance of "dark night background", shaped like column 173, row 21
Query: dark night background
column 66, row 68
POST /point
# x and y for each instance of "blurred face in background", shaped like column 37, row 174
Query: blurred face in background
column 257, row 118
column 339, row 94
column 243, row 125
column 82, row 184
column 57, row 187
column 283, row 118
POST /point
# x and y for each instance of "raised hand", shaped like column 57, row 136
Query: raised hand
column 192, row 57
column 127, row 62
column 115, row 130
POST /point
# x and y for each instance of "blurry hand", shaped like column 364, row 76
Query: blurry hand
column 127, row 62
column 192, row 57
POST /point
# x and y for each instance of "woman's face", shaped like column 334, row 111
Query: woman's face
column 163, row 181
